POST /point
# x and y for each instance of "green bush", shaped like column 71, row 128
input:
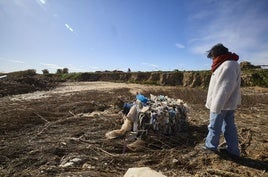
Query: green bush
column 260, row 78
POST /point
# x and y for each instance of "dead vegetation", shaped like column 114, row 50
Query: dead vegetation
column 63, row 135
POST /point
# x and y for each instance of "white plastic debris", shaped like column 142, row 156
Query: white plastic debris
column 3, row 76
column 70, row 162
column 143, row 172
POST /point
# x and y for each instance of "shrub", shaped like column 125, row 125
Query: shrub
column 65, row 71
column 45, row 71
column 59, row 71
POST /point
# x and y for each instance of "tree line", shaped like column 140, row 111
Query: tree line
column 59, row 71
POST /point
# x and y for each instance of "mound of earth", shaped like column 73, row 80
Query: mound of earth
column 11, row 85
column 60, row 132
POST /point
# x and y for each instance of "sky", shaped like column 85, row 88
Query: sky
column 142, row 35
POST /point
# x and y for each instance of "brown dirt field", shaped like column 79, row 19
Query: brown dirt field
column 60, row 132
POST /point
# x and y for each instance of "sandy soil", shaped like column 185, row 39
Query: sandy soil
column 60, row 132
column 68, row 88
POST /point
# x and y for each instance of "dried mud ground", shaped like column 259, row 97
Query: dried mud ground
column 61, row 133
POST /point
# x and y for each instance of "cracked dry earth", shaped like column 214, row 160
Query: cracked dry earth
column 61, row 133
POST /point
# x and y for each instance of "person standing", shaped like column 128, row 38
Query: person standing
column 222, row 99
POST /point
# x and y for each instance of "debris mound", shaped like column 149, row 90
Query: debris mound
column 159, row 115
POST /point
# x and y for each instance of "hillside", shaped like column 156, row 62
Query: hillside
column 29, row 81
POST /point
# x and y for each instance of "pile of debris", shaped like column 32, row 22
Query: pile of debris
column 20, row 82
column 159, row 115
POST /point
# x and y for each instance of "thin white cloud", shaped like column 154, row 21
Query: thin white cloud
column 71, row 67
column 17, row 61
column 43, row 4
column 11, row 64
column 94, row 67
column 68, row 27
column 243, row 32
column 56, row 15
column 82, row 68
column 151, row 65
column 199, row 15
column 180, row 46
column 258, row 57
column 42, row 1
column 51, row 66
column 12, row 60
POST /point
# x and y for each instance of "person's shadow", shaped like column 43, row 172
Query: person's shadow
column 256, row 164
column 244, row 161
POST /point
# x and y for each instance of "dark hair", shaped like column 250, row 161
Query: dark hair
column 217, row 50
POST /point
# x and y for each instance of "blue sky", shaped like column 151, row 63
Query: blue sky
column 143, row 35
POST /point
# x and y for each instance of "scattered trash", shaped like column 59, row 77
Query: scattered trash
column 159, row 114
column 3, row 76
column 143, row 172
column 72, row 160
